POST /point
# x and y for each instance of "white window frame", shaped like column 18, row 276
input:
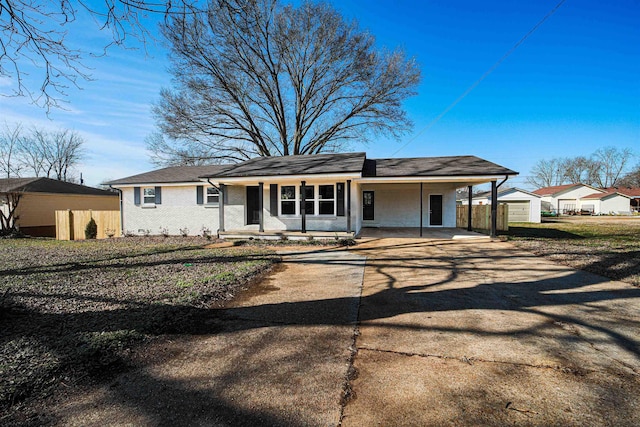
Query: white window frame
column 212, row 199
column 316, row 200
column 295, row 200
column 143, row 190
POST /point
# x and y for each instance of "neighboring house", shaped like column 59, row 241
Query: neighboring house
column 524, row 206
column 324, row 192
column 632, row 193
column 581, row 198
column 608, row 202
column 41, row 197
column 565, row 199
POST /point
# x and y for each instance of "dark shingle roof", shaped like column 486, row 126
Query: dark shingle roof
column 295, row 165
column 434, row 166
column 324, row 164
column 172, row 174
column 48, row 185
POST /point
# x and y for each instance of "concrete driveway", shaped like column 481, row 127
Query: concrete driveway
column 480, row 333
column 429, row 332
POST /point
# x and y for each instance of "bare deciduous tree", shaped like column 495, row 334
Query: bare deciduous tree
column 611, row 165
column 256, row 78
column 546, row 173
column 579, row 169
column 602, row 169
column 10, row 138
column 631, row 179
column 35, row 31
column 8, row 206
column 52, row 154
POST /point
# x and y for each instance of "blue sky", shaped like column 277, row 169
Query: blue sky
column 572, row 87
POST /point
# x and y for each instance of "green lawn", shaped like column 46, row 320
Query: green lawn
column 72, row 311
column 606, row 246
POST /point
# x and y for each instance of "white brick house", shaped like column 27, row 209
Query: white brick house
column 338, row 193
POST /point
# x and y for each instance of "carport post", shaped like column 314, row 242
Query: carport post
column 494, row 208
column 221, row 207
column 469, row 213
column 261, row 205
column 420, row 209
column 303, row 205
column 348, row 206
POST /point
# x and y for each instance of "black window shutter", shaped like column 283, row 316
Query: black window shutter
column 340, row 198
column 158, row 195
column 200, row 194
column 136, row 196
column 273, row 199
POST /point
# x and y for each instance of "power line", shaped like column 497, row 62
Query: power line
column 477, row 82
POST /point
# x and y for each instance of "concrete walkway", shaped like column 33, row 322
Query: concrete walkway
column 278, row 356
column 481, row 333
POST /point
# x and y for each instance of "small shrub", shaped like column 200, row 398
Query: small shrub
column 91, row 230
column 346, row 242
column 206, row 232
column 129, row 233
column 184, row 232
column 110, row 232
column 146, row 232
column 164, row 231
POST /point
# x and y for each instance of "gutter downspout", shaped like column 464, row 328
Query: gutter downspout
column 121, row 211
column 494, row 206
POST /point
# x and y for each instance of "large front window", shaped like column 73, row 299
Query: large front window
column 318, row 200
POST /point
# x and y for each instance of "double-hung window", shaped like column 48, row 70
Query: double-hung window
column 326, row 200
column 213, row 196
column 288, row 200
column 309, row 200
column 149, row 196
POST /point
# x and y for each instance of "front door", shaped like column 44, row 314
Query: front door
column 253, row 205
column 367, row 205
column 435, row 209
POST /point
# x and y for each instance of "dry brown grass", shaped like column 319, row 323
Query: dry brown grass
column 607, row 246
column 72, row 311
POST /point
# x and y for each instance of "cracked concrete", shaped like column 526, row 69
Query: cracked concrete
column 480, row 333
column 441, row 332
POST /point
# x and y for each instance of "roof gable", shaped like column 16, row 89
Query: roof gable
column 632, row 192
column 606, row 195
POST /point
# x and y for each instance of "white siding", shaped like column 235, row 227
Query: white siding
column 615, row 204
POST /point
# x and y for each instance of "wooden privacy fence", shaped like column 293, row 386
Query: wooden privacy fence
column 70, row 224
column 481, row 217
